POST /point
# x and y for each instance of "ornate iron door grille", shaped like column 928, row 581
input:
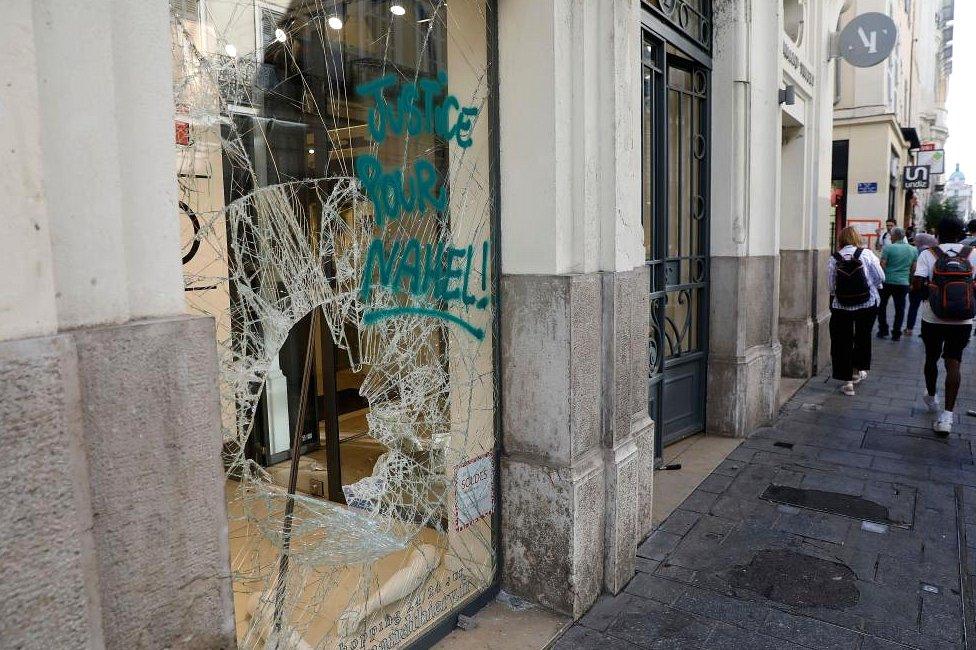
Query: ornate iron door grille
column 675, row 215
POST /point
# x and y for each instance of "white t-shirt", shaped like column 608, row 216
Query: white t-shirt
column 923, row 269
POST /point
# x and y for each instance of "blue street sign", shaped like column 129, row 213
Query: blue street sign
column 867, row 188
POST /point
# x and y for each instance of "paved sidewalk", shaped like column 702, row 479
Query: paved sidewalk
column 844, row 526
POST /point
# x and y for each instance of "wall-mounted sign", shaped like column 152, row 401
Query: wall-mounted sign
column 792, row 57
column 927, row 146
column 916, row 177
column 868, row 40
column 867, row 188
column 474, row 490
column 183, row 133
column 934, row 159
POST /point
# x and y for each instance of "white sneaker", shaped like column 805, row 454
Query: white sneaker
column 944, row 424
column 848, row 389
column 860, row 376
column 932, row 402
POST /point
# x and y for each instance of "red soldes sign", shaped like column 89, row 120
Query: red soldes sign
column 183, row 133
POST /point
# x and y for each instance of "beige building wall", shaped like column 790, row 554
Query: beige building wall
column 871, row 108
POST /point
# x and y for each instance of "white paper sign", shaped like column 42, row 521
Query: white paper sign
column 474, row 491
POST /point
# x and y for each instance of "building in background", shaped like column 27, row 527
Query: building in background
column 932, row 68
column 958, row 190
column 891, row 116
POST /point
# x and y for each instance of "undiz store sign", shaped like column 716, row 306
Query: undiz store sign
column 435, row 276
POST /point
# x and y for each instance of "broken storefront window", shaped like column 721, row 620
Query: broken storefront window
column 334, row 172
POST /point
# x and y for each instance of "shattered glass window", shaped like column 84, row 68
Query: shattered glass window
column 333, row 160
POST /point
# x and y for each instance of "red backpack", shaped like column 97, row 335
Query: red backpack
column 951, row 287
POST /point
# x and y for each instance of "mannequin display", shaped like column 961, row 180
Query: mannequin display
column 420, row 564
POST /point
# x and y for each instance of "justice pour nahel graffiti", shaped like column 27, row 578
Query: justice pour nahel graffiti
column 434, row 276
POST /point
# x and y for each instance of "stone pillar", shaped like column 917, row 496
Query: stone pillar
column 152, row 438
column 116, row 533
column 805, row 238
column 800, row 325
column 47, row 550
column 627, row 427
column 744, row 356
column 578, row 443
column 144, row 108
column 553, row 503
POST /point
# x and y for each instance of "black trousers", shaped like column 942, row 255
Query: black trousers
column 915, row 299
column 850, row 340
column 897, row 293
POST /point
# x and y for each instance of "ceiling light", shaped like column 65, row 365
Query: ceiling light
column 335, row 22
column 280, row 35
column 397, row 10
column 311, row 150
column 231, row 50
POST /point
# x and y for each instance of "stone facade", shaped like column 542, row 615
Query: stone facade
column 576, row 472
column 804, row 311
column 120, row 523
column 743, row 367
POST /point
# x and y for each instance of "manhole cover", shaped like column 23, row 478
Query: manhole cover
column 796, row 579
column 835, row 503
column 925, row 448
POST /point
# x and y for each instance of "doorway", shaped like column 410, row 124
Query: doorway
column 676, row 224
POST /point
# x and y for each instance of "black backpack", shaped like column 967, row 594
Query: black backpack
column 951, row 286
column 851, row 287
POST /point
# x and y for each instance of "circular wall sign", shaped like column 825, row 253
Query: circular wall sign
column 868, row 40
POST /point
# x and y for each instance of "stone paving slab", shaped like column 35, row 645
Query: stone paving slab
column 769, row 551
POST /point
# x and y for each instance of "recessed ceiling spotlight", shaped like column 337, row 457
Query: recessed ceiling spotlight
column 231, row 50
column 335, row 22
column 397, row 10
column 311, row 150
column 280, row 35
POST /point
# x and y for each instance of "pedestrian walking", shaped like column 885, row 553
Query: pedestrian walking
column 854, row 276
column 923, row 242
column 884, row 238
column 898, row 261
column 970, row 239
column 947, row 316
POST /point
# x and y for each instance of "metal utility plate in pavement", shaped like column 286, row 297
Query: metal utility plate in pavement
column 923, row 447
column 833, row 503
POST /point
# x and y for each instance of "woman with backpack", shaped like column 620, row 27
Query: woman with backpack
column 947, row 317
column 854, row 276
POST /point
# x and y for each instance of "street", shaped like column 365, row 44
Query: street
column 844, row 525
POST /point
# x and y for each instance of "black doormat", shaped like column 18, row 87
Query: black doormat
column 834, row 503
column 796, row 579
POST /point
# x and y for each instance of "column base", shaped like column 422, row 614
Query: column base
column 743, row 391
column 620, row 545
column 553, row 529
